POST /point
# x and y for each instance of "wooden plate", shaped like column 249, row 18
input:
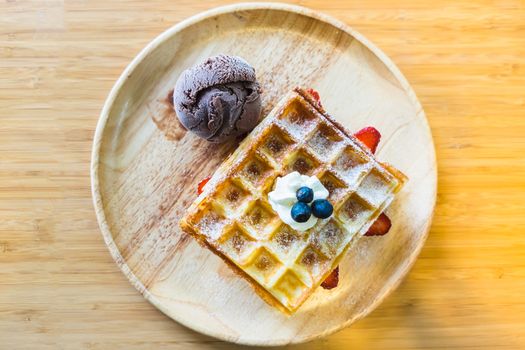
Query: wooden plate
column 144, row 178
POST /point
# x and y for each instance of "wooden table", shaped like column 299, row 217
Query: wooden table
column 59, row 287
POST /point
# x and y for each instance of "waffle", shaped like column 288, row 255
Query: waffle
column 233, row 218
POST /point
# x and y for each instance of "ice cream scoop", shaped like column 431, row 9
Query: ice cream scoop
column 219, row 98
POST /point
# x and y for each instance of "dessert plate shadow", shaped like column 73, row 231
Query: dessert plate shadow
column 145, row 169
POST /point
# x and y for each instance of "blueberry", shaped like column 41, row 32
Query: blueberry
column 301, row 212
column 305, row 194
column 322, row 208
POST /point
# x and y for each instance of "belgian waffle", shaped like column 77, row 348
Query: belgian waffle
column 233, row 218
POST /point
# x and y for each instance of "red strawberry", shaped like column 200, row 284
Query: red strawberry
column 380, row 227
column 332, row 280
column 369, row 136
column 314, row 94
column 202, row 183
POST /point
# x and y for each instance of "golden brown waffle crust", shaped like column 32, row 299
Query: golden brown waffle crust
column 319, row 108
column 263, row 293
column 228, row 168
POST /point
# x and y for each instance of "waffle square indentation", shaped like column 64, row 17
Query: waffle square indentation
column 263, row 266
column 303, row 162
column 298, row 120
column 260, row 219
column 350, row 165
column 232, row 196
column 238, row 244
column 336, row 188
column 256, row 171
column 355, row 212
column 313, row 262
column 375, row 188
column 291, row 287
column 277, row 144
column 285, row 239
column 211, row 222
column 325, row 141
column 329, row 239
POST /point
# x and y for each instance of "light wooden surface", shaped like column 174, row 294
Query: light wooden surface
column 59, row 287
column 143, row 182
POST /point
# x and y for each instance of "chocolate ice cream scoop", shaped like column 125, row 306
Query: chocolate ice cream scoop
column 219, row 98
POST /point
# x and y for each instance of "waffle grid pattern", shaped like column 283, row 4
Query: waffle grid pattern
column 240, row 223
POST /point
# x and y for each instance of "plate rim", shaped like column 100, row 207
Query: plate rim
column 104, row 117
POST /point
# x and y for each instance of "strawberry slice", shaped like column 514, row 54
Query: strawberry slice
column 332, row 280
column 369, row 136
column 202, row 183
column 315, row 95
column 380, row 227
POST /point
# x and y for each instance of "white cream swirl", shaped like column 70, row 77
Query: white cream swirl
column 282, row 198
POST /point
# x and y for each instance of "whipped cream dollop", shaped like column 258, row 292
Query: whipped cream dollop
column 283, row 197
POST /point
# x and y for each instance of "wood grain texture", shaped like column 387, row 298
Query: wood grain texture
column 59, row 288
column 143, row 181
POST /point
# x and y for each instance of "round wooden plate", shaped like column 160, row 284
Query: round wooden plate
column 144, row 174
